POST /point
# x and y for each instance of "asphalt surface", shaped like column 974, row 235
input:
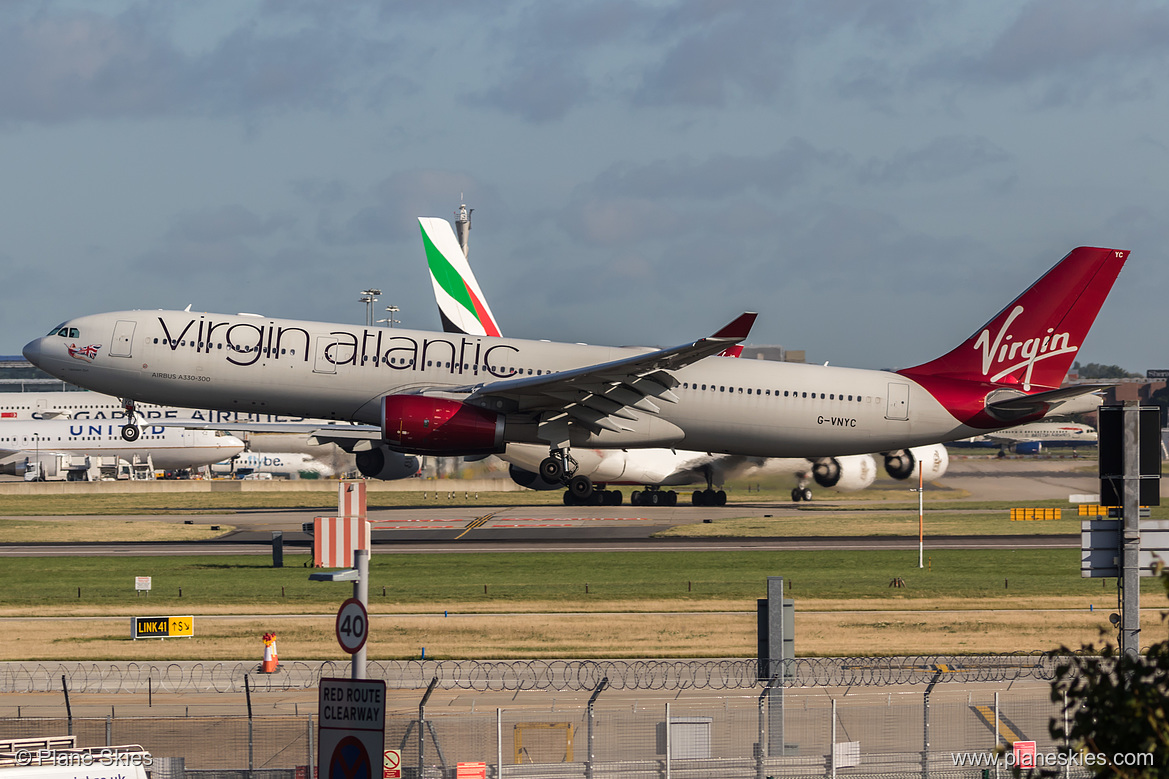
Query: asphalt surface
column 502, row 528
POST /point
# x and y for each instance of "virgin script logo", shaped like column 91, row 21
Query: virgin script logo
column 1006, row 355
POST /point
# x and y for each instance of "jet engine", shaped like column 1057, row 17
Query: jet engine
column 532, row 481
column 439, row 426
column 1028, row 447
column 852, row 472
column 902, row 464
column 384, row 463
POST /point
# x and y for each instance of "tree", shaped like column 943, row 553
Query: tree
column 1116, row 704
column 1095, row 370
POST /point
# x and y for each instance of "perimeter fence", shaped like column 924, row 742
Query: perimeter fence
column 512, row 675
column 807, row 733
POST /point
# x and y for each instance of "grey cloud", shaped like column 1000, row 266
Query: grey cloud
column 226, row 223
column 940, row 159
column 718, row 175
column 1067, row 50
column 391, row 210
column 67, row 65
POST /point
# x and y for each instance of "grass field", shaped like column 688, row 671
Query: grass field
column 637, row 604
column 631, row 604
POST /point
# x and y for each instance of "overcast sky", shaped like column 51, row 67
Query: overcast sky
column 875, row 177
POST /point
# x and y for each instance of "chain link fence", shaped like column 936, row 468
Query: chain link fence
column 805, row 732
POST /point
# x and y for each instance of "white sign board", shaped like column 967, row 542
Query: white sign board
column 352, row 728
column 352, row 625
column 141, row 582
column 1100, row 546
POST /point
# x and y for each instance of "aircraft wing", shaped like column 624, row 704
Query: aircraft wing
column 351, row 438
column 598, row 396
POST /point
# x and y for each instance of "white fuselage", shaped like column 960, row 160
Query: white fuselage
column 262, row 365
column 169, row 448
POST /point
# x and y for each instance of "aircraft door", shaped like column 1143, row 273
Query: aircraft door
column 123, row 339
column 898, row 407
column 325, row 358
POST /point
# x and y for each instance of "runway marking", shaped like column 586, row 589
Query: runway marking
column 477, row 522
column 1008, row 731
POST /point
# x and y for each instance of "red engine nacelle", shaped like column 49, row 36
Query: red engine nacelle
column 438, row 426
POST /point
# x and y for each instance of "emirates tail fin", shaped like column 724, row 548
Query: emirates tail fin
column 461, row 303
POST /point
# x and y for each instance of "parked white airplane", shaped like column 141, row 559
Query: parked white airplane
column 463, row 308
column 436, row 394
column 89, row 406
column 1032, row 438
column 271, row 463
column 170, row 448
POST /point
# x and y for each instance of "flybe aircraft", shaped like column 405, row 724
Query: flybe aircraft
column 463, row 309
column 169, row 448
column 433, row 393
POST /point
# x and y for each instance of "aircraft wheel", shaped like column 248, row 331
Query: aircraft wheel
column 720, row 498
column 551, row 469
column 797, row 494
column 131, row 432
column 581, row 488
column 653, row 498
column 697, row 498
column 569, row 500
column 807, row 493
column 672, row 498
column 614, row 498
column 635, row 498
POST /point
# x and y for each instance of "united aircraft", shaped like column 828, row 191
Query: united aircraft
column 463, row 308
column 169, row 448
column 434, row 393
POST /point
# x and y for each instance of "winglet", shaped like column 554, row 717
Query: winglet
column 732, row 351
column 738, row 329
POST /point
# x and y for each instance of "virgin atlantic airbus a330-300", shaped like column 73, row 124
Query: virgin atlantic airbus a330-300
column 442, row 394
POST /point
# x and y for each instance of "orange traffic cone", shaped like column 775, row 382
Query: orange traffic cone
column 270, row 662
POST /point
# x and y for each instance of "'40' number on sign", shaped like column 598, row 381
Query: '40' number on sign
column 352, row 626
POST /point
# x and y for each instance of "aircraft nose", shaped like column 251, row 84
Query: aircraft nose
column 32, row 351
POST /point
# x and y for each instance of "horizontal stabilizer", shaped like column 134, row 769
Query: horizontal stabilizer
column 1019, row 406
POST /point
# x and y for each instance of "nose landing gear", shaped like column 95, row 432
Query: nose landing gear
column 130, row 430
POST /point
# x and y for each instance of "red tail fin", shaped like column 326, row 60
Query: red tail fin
column 1032, row 342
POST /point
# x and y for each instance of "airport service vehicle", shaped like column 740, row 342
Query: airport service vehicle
column 433, row 393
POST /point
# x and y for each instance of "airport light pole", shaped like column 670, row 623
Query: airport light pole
column 389, row 320
column 369, row 297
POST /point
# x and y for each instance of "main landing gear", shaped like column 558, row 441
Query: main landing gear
column 654, row 496
column 559, row 466
column 801, row 491
column 130, row 430
column 600, row 497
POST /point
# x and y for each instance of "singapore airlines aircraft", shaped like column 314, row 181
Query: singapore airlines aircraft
column 436, row 394
column 24, row 443
column 463, row 308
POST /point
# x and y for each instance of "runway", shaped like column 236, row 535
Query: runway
column 516, row 529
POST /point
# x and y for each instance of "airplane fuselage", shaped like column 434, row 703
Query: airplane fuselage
column 169, row 448
column 261, row 365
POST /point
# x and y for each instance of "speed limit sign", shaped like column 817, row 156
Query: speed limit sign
column 352, row 626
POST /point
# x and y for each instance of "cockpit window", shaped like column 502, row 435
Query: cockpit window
column 56, row 330
column 66, row 332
